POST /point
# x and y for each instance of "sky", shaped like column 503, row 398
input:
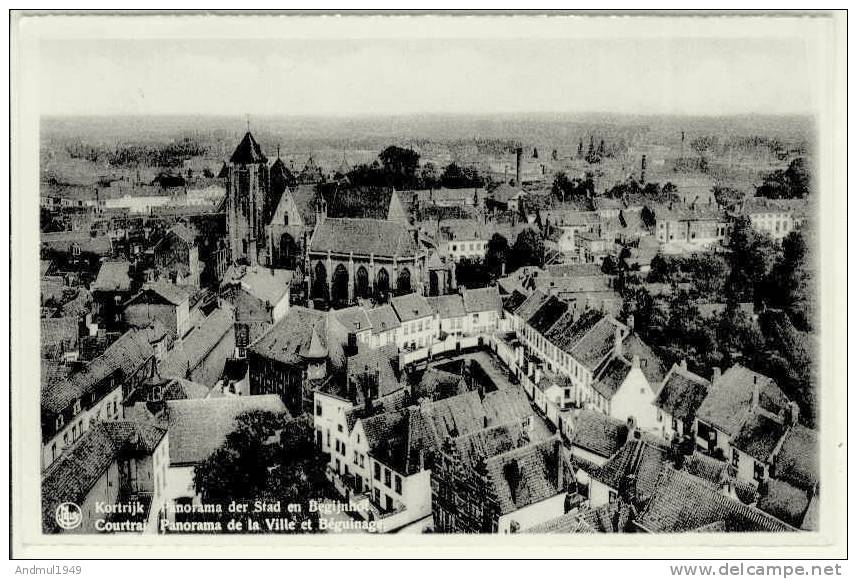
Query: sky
column 400, row 76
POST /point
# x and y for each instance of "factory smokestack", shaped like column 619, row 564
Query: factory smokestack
column 643, row 170
column 519, row 153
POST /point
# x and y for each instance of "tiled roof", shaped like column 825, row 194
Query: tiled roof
column 289, row 340
column 797, row 460
column 354, row 319
column 265, row 284
column 377, row 237
column 411, row 307
column 482, row 300
column 181, row 389
column 59, row 331
column 172, row 293
column 513, row 301
column 525, row 475
column 248, row 152
column 448, row 306
column 530, row 305
column 477, row 446
column 113, row 276
column 598, row 433
column 759, row 436
column 79, row 305
column 198, row 343
column 547, row 315
column 199, row 427
column 784, row 501
column 127, row 354
column 463, row 229
column 596, row 343
column 72, row 476
column 382, row 362
column 436, row 384
column 384, row 426
column 612, row 376
column 682, row 502
column 651, row 364
column 641, row 458
column 383, row 318
column 682, row 393
column 730, row 398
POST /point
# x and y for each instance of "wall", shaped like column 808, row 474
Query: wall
column 534, row 514
column 634, row 398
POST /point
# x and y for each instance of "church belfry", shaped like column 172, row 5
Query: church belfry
column 246, row 194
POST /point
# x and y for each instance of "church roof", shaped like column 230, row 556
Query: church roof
column 363, row 237
column 248, row 152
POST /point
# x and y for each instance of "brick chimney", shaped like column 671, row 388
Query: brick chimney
column 755, row 400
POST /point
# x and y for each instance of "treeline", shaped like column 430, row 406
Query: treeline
column 791, row 183
column 400, row 168
column 130, row 155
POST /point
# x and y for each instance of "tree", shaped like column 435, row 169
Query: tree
column 497, row 255
column 793, row 183
column 529, row 249
column 750, row 258
column 429, row 176
column 471, row 272
column 792, row 276
column 456, row 177
column 726, row 196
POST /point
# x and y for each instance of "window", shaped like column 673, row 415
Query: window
column 318, row 409
column 387, row 477
column 76, row 408
column 60, row 423
column 735, row 457
column 337, row 445
column 54, row 451
column 377, row 471
column 378, row 496
column 389, row 503
column 339, row 427
column 612, row 496
column 355, row 457
column 758, row 471
column 361, row 460
column 65, row 439
column 398, row 484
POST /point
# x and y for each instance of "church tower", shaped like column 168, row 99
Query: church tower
column 246, row 192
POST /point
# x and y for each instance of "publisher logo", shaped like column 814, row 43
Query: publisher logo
column 68, row 516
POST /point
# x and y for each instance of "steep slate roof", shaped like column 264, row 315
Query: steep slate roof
column 596, row 343
column 289, row 340
column 730, row 397
column 248, row 152
column 57, row 331
column 436, row 384
column 199, row 427
column 759, row 437
column 526, row 475
column 447, row 306
column 530, row 305
column 72, row 476
column 197, row 343
column 127, row 354
column 363, row 237
column 682, row 393
column 598, row 433
column 411, row 307
column 482, row 300
column 797, row 460
column 546, row 316
column 113, row 276
column 682, row 502
column 383, row 318
column 477, row 446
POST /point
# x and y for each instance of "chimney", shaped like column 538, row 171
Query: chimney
column 631, row 425
column 715, row 376
column 617, row 341
column 792, row 414
column 560, row 473
column 635, row 361
column 519, row 152
column 683, row 364
column 630, row 322
column 755, row 400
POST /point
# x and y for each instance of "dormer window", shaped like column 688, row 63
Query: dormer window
column 60, row 422
column 76, row 407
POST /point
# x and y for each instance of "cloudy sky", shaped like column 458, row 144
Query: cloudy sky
column 501, row 73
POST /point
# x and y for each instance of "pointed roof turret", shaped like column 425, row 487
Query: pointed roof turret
column 395, row 210
column 316, row 349
column 248, row 152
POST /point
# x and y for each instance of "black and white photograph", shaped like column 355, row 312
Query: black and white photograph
column 413, row 275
